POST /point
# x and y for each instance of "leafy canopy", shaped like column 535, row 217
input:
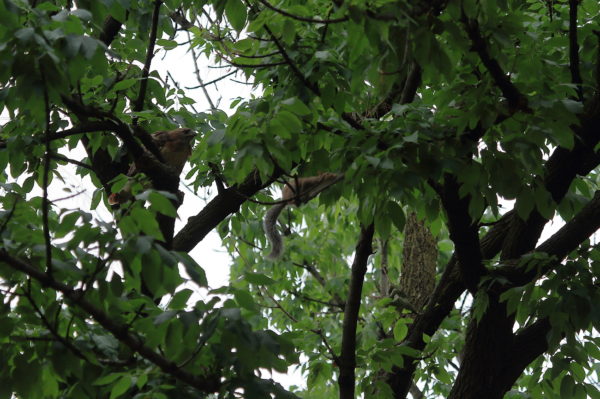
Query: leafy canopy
column 456, row 111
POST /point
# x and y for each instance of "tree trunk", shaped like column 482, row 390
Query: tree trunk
column 486, row 370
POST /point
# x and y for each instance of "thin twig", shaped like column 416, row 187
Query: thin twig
column 300, row 18
column 254, row 66
column 52, row 329
column 288, row 60
column 212, row 81
column 516, row 100
column 310, row 299
column 313, row 271
column 243, row 83
column 199, row 79
column 87, row 127
column 176, row 83
column 9, row 216
column 259, row 56
column 60, row 157
column 318, row 332
column 138, row 104
column 205, row 383
column 69, row 196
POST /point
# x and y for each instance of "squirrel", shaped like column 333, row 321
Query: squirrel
column 295, row 192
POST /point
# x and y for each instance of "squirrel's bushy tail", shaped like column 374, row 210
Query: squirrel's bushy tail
column 270, row 226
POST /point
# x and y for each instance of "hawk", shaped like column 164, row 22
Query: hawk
column 175, row 147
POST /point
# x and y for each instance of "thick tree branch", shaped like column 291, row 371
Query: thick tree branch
column 463, row 232
column 574, row 49
column 559, row 245
column 45, row 178
column 560, row 170
column 530, row 342
column 347, row 359
column 223, row 205
column 119, row 331
column 110, row 30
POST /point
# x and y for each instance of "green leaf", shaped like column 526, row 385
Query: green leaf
column 167, row 44
column 192, row 268
column 258, row 279
column 82, row 14
column 396, row 213
column 296, row 106
column 124, row 84
column 567, row 386
column 146, row 222
column 120, row 387
column 180, row 299
column 572, row 106
column 400, row 330
column 164, row 317
column 24, row 34
column 236, row 13
column 160, row 203
column 107, row 379
column 245, row 300
column 525, row 204
column 289, row 121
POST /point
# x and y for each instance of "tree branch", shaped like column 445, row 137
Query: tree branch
column 300, row 18
column 516, row 100
column 212, row 81
column 574, row 48
column 312, row 87
column 560, row 170
column 138, row 104
column 52, row 329
column 530, row 342
column 346, row 380
column 85, row 127
column 463, row 232
column 559, row 245
column 223, row 205
column 45, row 177
column 119, row 331
column 60, row 157
column 198, row 78
column 110, row 30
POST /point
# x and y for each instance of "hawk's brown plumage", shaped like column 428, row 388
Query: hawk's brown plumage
column 175, row 147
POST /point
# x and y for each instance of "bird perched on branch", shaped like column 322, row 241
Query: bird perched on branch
column 175, row 147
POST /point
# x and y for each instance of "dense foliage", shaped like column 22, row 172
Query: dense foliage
column 480, row 117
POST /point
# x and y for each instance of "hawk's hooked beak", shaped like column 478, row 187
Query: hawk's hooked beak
column 189, row 134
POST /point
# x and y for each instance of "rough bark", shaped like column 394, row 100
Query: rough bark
column 419, row 260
